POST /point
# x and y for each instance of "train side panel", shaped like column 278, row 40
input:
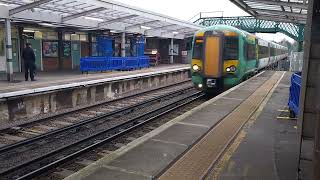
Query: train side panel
column 263, row 54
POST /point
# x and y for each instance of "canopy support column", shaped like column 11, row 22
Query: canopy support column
column 9, row 50
column 123, row 44
column 171, row 51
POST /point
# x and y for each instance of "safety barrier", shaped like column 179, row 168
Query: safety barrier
column 295, row 87
column 144, row 61
column 113, row 63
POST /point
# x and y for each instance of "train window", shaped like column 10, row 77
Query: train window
column 231, row 48
column 272, row 51
column 251, row 51
column 263, row 52
column 198, row 50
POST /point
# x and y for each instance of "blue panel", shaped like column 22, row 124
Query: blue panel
column 294, row 95
column 104, row 46
column 113, row 63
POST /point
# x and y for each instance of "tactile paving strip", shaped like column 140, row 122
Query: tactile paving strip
column 197, row 161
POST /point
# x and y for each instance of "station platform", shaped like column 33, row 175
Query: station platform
column 61, row 92
column 243, row 133
column 47, row 81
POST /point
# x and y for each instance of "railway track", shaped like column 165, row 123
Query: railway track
column 72, row 166
column 29, row 158
column 12, row 136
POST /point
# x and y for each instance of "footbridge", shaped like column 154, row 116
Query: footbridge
column 254, row 25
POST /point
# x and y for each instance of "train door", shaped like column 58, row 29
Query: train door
column 251, row 57
column 257, row 54
column 213, row 56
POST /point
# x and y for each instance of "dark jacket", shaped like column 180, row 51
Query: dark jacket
column 28, row 55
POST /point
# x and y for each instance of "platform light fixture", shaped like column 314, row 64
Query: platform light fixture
column 47, row 25
column 94, row 19
column 87, row 29
column 29, row 31
column 3, row 4
column 175, row 32
column 145, row 27
column 113, row 31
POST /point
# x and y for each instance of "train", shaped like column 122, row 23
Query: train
column 224, row 56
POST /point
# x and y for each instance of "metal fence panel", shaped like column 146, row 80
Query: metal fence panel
column 296, row 61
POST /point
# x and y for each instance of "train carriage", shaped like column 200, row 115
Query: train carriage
column 223, row 56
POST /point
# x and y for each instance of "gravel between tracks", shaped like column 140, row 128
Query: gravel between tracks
column 66, row 138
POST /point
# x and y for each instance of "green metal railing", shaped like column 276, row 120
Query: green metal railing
column 253, row 25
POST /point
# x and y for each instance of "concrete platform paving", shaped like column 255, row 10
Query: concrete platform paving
column 66, row 79
column 195, row 163
column 269, row 146
column 150, row 156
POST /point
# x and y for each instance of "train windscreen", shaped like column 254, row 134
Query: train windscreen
column 231, row 48
column 198, row 50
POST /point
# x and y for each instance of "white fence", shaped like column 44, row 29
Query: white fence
column 296, row 61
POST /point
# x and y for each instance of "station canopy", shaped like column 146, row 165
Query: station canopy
column 96, row 15
column 291, row 11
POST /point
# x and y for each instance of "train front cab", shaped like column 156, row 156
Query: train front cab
column 215, row 60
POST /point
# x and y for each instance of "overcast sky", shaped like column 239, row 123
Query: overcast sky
column 185, row 10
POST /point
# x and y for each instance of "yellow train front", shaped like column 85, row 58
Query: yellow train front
column 223, row 56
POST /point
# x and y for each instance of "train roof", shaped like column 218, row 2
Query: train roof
column 225, row 27
column 236, row 30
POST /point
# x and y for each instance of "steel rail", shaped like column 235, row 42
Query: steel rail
column 91, row 106
column 75, row 125
column 130, row 108
column 195, row 96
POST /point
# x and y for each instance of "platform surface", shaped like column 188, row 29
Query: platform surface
column 47, row 81
column 268, row 145
column 165, row 152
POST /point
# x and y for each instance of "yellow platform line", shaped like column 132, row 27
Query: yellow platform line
column 283, row 110
column 224, row 161
column 286, row 118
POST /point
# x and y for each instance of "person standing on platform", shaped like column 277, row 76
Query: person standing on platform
column 29, row 62
column 158, row 57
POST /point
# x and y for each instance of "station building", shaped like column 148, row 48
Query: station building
column 61, row 32
column 61, row 48
column 242, row 132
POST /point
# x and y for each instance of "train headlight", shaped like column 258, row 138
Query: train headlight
column 196, row 67
column 200, row 85
column 231, row 69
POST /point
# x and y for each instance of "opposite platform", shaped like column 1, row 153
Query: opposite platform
column 62, row 80
column 186, row 147
column 28, row 101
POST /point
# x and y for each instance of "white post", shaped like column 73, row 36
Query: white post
column 9, row 50
column 123, row 44
column 171, row 52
